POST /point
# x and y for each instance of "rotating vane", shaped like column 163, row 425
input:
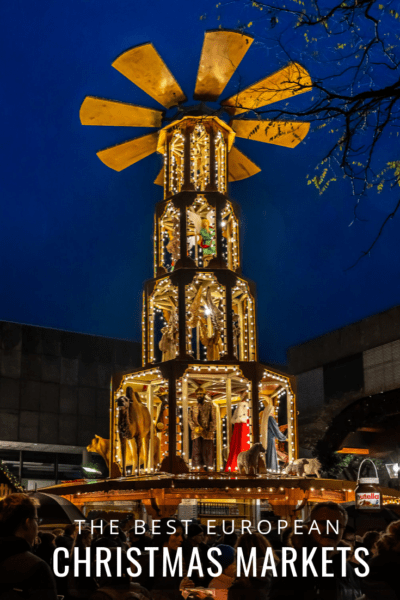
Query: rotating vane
column 222, row 52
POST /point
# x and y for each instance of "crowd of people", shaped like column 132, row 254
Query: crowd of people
column 27, row 560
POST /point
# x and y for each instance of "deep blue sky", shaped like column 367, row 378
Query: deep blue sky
column 76, row 237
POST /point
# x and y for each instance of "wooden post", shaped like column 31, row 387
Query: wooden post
column 228, row 411
column 219, row 438
column 150, row 403
column 185, row 421
column 242, row 319
column 172, row 419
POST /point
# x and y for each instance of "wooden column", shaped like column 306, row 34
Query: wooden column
column 185, row 421
column 182, row 319
column 187, row 184
column 228, row 411
column 211, row 186
column 172, row 420
column 219, row 462
column 229, row 327
column 150, row 403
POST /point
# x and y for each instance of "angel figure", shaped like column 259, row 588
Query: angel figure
column 169, row 335
column 173, row 245
column 204, row 235
column 235, row 333
column 211, row 327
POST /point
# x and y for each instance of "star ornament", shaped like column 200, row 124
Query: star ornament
column 222, row 52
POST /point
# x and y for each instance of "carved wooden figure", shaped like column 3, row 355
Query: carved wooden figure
column 249, row 459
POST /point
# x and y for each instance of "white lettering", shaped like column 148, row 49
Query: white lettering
column 362, row 562
column 99, row 526
column 232, row 527
column 134, row 562
column 326, row 561
column 195, row 563
column 82, row 561
column 139, row 527
column 329, row 524
column 113, row 527
column 155, row 526
column 246, row 527
column 79, row 521
column 280, row 527
column 152, row 551
column 269, row 558
column 298, row 527
column 210, row 528
column 259, row 527
column 288, row 560
column 343, row 551
column 185, row 524
column 56, row 554
column 214, row 562
column 177, row 564
column 103, row 561
column 246, row 568
column 307, row 562
column 314, row 527
column 171, row 528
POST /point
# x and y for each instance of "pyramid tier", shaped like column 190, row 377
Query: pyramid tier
column 199, row 314
column 196, row 230
column 168, row 391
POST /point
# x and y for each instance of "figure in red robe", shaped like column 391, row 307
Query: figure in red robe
column 241, row 433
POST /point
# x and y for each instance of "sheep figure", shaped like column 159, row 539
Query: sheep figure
column 249, row 459
column 303, row 467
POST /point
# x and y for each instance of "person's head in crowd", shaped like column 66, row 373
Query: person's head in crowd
column 71, row 530
column 47, row 538
column 84, row 539
column 389, row 541
column 247, row 541
column 113, row 532
column 229, row 539
column 139, row 540
column 349, row 536
column 18, row 517
column 165, row 538
column 321, row 533
column 369, row 541
column 57, row 531
column 195, row 534
column 61, row 542
column 227, row 559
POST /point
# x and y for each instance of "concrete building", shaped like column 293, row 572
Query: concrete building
column 54, row 396
column 348, row 387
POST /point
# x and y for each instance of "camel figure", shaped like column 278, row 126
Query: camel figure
column 134, row 422
column 102, row 446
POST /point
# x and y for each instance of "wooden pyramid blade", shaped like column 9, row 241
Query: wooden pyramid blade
column 124, row 155
column 289, row 81
column 221, row 54
column 159, row 180
column 240, row 166
column 98, row 111
column 145, row 68
column 280, row 133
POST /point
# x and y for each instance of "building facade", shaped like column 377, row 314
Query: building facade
column 54, row 397
column 348, row 386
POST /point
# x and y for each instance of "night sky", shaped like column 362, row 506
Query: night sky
column 76, row 236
